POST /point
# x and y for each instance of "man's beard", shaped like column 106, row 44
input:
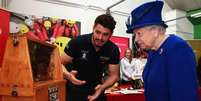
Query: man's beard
column 97, row 46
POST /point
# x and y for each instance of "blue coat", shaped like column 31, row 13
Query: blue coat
column 170, row 72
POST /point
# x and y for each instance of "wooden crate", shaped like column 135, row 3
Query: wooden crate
column 31, row 71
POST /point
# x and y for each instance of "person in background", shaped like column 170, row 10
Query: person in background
column 129, row 67
column 170, row 71
column 90, row 53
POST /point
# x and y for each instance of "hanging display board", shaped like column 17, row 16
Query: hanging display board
column 122, row 43
column 4, row 30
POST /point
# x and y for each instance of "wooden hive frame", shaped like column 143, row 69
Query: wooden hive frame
column 16, row 73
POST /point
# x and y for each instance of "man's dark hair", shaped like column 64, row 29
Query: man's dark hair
column 106, row 20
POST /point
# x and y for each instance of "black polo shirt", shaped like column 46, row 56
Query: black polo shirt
column 89, row 63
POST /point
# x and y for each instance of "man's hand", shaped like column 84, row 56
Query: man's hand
column 98, row 91
column 71, row 76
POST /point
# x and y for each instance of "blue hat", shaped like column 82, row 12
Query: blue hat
column 144, row 15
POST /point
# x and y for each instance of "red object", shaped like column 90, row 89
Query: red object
column 55, row 29
column 199, row 93
column 72, row 32
column 68, row 31
column 122, row 43
column 39, row 32
column 4, row 26
column 44, row 33
column 125, row 97
column 58, row 30
column 132, row 97
column 75, row 31
column 31, row 35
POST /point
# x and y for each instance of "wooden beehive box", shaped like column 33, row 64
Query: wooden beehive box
column 31, row 71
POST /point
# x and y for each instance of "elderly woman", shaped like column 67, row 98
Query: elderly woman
column 170, row 71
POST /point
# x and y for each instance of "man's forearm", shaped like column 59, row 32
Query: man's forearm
column 109, row 82
column 66, row 74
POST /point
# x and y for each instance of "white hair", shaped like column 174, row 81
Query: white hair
column 160, row 28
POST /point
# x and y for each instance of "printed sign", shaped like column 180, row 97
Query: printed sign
column 122, row 43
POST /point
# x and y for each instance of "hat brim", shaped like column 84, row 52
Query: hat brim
column 130, row 30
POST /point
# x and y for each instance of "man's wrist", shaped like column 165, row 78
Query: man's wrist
column 68, row 76
column 102, row 88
